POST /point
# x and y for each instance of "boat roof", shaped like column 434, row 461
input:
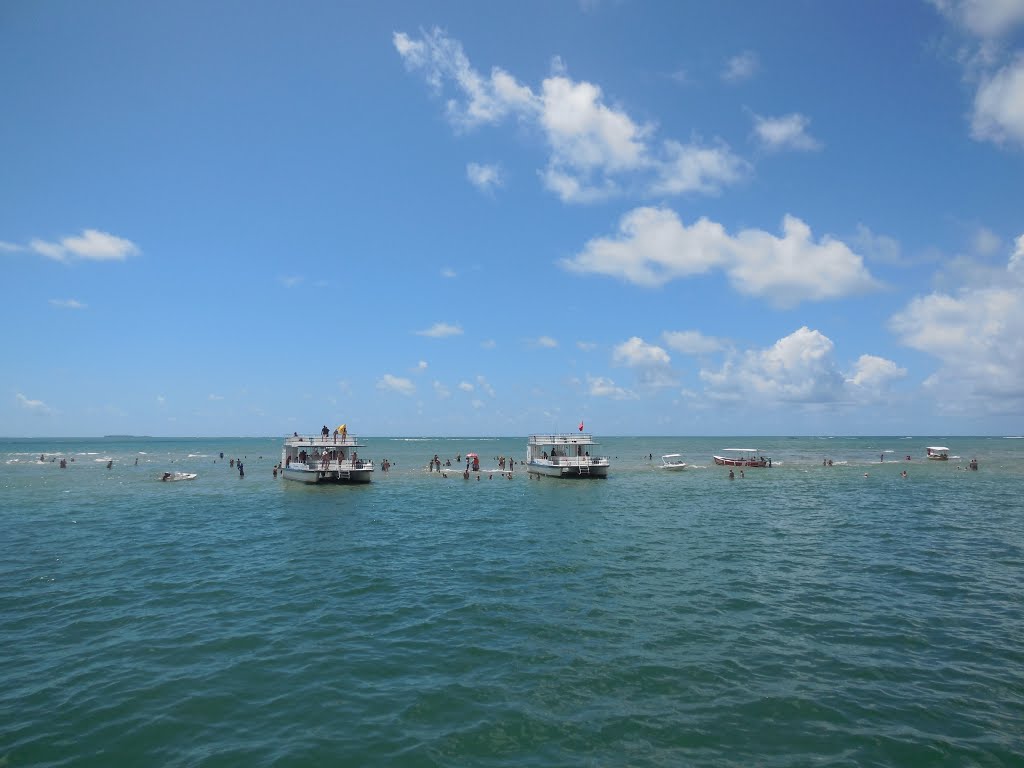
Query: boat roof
column 741, row 450
column 937, row 448
column 671, row 455
column 570, row 438
column 318, row 441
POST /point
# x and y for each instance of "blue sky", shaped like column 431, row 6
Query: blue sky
column 455, row 218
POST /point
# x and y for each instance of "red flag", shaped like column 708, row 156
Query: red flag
column 581, row 426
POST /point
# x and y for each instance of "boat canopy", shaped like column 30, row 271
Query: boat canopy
column 937, row 448
column 671, row 455
column 741, row 450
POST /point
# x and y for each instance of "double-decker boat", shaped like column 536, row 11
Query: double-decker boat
column 325, row 458
column 742, row 457
column 565, row 455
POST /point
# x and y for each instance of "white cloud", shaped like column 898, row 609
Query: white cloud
column 91, row 245
column 596, row 150
column 35, row 406
column 546, row 342
column 488, row 344
column 402, row 386
column 67, row 303
column 440, row 331
column 290, row 281
column 441, row 390
column 880, row 248
column 638, row 353
column 692, row 342
column 653, row 247
column 999, row 105
column 448, row 272
column 691, row 167
column 1016, row 264
column 484, row 385
column 465, row 386
column 420, row 366
column 977, row 335
column 986, row 242
column 11, row 247
column 484, row 177
column 487, row 100
column 786, row 132
column 599, row 386
column 215, row 397
column 651, row 363
column 799, row 368
column 586, row 346
column 983, row 18
column 741, row 67
column 872, row 371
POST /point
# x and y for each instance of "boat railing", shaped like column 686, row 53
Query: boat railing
column 568, row 438
column 319, row 441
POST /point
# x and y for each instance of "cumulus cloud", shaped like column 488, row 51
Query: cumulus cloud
column 390, row 383
column 465, row 386
column 421, row 366
column 546, row 342
column 484, row 385
column 976, row 334
column 741, row 67
column 596, row 149
column 599, row 386
column 999, row 105
column 484, row 177
column 799, row 368
column 654, row 247
column 35, row 406
column 692, row 342
column 871, row 371
column 90, row 245
column 787, row 132
column 440, row 331
column 651, row 363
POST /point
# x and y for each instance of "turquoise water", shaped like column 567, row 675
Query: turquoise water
column 801, row 615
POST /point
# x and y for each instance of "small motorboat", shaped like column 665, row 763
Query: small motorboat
column 672, row 461
column 170, row 477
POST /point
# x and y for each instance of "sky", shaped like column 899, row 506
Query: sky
column 453, row 218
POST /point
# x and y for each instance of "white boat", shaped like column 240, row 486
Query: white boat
column 937, row 453
column 742, row 457
column 324, row 459
column 565, row 455
column 170, row 477
column 672, row 461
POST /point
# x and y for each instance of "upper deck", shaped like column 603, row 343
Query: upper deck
column 319, row 441
column 570, row 438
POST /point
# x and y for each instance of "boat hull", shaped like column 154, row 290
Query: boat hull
column 328, row 476
column 570, row 471
column 725, row 461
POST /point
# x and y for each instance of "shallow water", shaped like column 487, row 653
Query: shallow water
column 798, row 615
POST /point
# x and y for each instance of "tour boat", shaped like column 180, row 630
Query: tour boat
column 742, row 457
column 672, row 461
column 325, row 458
column 566, row 455
column 937, row 453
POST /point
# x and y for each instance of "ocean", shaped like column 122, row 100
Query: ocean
column 802, row 615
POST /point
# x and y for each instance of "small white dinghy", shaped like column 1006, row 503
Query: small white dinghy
column 672, row 461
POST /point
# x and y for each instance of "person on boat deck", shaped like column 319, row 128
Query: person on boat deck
column 325, row 431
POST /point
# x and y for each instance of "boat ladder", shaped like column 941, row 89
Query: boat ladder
column 344, row 474
column 583, row 469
